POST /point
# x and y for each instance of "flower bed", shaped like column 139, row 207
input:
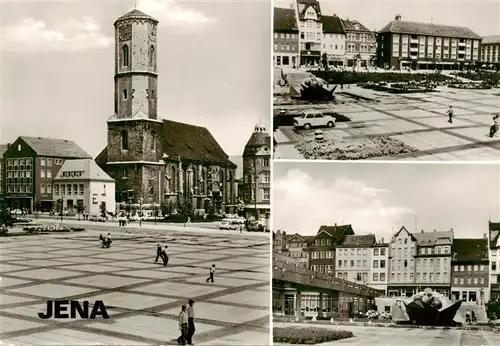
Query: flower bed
column 400, row 88
column 470, row 86
column 352, row 149
column 348, row 77
column 308, row 336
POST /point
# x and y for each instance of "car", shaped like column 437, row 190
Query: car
column 97, row 218
column 313, row 119
column 227, row 224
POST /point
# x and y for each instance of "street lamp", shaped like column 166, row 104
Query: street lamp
column 62, row 206
column 141, row 200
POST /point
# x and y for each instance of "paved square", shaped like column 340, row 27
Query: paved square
column 143, row 298
column 418, row 120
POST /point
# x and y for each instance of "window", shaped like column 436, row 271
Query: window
column 56, row 189
column 124, row 140
column 152, row 56
column 153, row 141
column 124, row 174
column 125, row 55
column 340, row 263
column 42, row 173
column 365, row 263
column 352, row 264
column 358, row 277
column 382, row 263
column 493, row 265
column 469, row 268
column 81, row 188
column 49, row 188
column 49, row 162
column 358, row 263
column 125, row 94
column 42, row 161
column 382, row 252
column 375, row 264
column 266, row 162
column 322, row 254
column 405, row 263
column 476, row 280
column 375, row 252
column 375, row 276
column 42, row 188
column 266, row 177
column 49, row 174
column 455, row 281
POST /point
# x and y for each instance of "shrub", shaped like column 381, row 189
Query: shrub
column 347, row 77
column 309, row 336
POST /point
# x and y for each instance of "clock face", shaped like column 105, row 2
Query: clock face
column 125, row 33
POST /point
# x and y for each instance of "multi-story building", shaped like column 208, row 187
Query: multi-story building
column 286, row 37
column 360, row 44
column 3, row 148
column 379, row 266
column 311, row 31
column 353, row 258
column 490, row 49
column 257, row 174
column 419, row 260
column 333, row 40
column 421, row 46
column 322, row 248
column 494, row 257
column 295, row 245
column 31, row 163
column 155, row 160
column 279, row 238
column 470, row 270
column 84, row 182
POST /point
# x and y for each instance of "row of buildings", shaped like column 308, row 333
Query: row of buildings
column 304, row 36
column 462, row 269
column 147, row 160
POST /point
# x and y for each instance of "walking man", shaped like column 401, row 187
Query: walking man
column 191, row 329
column 165, row 256
column 183, row 326
column 212, row 272
column 158, row 253
column 450, row 115
column 494, row 127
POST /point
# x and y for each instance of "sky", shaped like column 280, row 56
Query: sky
column 379, row 198
column 482, row 17
column 57, row 68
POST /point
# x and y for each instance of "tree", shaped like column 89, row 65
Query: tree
column 102, row 209
column 58, row 207
column 37, row 208
column 166, row 208
column 5, row 216
column 324, row 61
column 79, row 208
column 186, row 210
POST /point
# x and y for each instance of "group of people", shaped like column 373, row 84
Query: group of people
column 186, row 324
column 105, row 240
column 493, row 127
column 470, row 317
column 162, row 253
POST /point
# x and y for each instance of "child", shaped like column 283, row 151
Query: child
column 212, row 272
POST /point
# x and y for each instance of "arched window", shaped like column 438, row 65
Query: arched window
column 152, row 56
column 173, row 180
column 124, row 140
column 125, row 54
column 153, row 141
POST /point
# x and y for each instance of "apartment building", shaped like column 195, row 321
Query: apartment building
column 361, row 44
column 494, row 257
column 3, row 148
column 295, row 245
column 490, row 49
column 322, row 249
column 334, row 39
column 353, row 258
column 402, row 249
column 402, row 44
column 379, row 266
column 311, row 31
column 470, row 270
column 286, row 37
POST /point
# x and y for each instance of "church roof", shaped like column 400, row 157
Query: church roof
column 135, row 14
column 189, row 142
column 90, row 171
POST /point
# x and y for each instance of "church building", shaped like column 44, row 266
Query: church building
column 151, row 159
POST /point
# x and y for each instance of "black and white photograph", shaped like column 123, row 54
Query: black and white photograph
column 386, row 254
column 135, row 172
column 402, row 80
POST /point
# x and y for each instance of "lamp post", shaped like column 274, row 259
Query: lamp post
column 141, row 200
column 62, row 206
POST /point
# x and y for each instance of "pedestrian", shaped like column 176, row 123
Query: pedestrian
column 473, row 316
column 450, row 115
column 183, row 326
column 494, row 127
column 467, row 317
column 191, row 328
column 212, row 272
column 165, row 256
column 158, row 253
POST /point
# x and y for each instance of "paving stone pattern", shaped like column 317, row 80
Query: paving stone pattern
column 142, row 298
column 380, row 336
column 419, row 121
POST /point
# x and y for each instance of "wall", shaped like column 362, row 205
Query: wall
column 102, row 194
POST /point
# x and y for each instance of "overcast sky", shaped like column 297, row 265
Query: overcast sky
column 379, row 198
column 482, row 17
column 57, row 67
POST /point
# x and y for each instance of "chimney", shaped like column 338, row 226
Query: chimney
column 398, row 17
column 484, row 235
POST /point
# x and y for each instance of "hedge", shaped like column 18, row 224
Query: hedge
column 349, row 77
column 309, row 336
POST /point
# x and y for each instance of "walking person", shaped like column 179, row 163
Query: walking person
column 158, row 253
column 450, row 115
column 494, row 127
column 165, row 256
column 183, row 326
column 212, row 272
column 191, row 328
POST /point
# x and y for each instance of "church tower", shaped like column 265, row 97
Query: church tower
column 134, row 148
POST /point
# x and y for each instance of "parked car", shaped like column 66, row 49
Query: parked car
column 313, row 119
column 227, row 224
column 97, row 218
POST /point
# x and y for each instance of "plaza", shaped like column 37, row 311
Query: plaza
column 418, row 120
column 143, row 298
column 389, row 336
